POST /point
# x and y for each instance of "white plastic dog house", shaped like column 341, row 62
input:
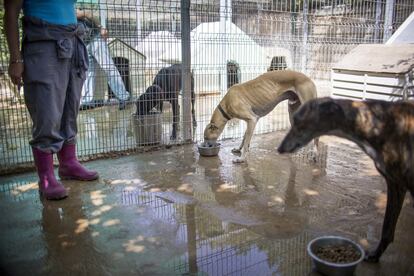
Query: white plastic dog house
column 404, row 33
column 154, row 46
column 280, row 58
column 130, row 64
column 217, row 46
column 375, row 71
column 157, row 44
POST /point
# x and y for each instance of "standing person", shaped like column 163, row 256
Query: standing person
column 98, row 50
column 51, row 66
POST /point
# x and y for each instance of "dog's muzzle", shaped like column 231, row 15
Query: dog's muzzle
column 210, row 142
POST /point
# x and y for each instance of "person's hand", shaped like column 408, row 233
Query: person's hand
column 16, row 72
column 104, row 33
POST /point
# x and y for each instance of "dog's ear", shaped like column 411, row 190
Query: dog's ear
column 330, row 107
column 305, row 112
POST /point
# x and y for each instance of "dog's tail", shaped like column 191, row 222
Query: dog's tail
column 305, row 91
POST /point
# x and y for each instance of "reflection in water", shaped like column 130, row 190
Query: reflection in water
column 195, row 215
column 64, row 231
column 233, row 218
column 191, row 238
column 265, row 220
column 176, row 213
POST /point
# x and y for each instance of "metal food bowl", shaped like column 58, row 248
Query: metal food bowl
column 329, row 268
column 207, row 149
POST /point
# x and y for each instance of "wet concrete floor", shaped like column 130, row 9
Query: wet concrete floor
column 173, row 212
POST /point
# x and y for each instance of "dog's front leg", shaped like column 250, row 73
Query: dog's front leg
column 194, row 118
column 251, row 124
column 161, row 105
column 395, row 199
column 193, row 104
column 238, row 150
column 174, row 103
column 314, row 151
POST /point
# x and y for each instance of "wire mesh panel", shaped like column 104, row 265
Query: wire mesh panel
column 132, row 99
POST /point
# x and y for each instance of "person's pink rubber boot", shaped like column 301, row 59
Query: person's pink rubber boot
column 69, row 166
column 49, row 186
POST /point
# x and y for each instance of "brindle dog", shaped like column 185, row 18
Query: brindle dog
column 383, row 130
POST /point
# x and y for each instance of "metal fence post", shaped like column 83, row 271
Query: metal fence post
column 305, row 37
column 378, row 9
column 138, row 14
column 225, row 13
column 186, row 68
column 389, row 14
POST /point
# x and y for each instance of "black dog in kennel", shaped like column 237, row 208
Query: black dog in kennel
column 166, row 86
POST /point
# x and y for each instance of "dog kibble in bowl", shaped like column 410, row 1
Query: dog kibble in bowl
column 340, row 254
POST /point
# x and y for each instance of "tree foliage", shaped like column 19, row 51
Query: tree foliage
column 4, row 51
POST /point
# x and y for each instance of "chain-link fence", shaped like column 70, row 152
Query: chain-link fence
column 220, row 43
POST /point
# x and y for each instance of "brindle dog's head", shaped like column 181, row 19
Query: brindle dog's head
column 313, row 119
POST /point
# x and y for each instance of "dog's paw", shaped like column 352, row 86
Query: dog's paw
column 236, row 150
column 238, row 160
column 371, row 257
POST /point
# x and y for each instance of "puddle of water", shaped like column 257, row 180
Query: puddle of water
column 175, row 213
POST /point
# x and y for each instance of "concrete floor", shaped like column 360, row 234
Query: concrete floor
column 176, row 213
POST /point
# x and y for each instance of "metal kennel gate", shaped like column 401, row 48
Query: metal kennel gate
column 218, row 41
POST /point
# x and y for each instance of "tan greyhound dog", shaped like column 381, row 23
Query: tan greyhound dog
column 254, row 99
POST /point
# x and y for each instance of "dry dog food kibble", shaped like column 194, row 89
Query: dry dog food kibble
column 338, row 253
